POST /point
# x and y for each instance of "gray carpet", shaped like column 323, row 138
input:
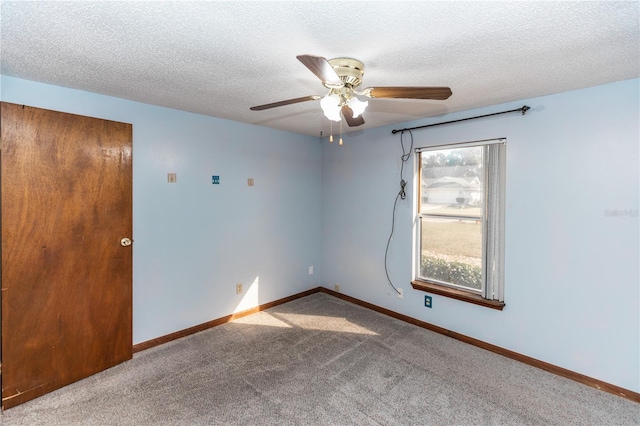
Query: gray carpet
column 322, row 361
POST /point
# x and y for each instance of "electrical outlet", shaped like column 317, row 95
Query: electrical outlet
column 400, row 293
column 311, row 270
column 337, row 287
column 238, row 288
column 427, row 301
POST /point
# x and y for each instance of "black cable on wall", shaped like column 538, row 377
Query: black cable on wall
column 401, row 195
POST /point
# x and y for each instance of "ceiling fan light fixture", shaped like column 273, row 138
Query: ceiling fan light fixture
column 330, row 105
column 343, row 77
column 357, row 106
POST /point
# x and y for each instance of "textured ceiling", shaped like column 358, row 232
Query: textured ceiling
column 220, row 57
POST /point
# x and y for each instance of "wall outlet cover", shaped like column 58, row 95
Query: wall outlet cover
column 428, row 302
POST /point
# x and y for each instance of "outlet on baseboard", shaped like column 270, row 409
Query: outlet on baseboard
column 337, row 287
column 238, row 288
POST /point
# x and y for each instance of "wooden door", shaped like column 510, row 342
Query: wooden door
column 66, row 278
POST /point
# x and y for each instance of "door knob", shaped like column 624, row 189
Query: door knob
column 125, row 242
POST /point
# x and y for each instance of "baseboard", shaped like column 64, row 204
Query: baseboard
column 581, row 378
column 209, row 324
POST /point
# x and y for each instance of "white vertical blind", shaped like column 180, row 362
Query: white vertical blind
column 494, row 235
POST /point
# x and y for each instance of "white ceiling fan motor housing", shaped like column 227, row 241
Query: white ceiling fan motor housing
column 349, row 70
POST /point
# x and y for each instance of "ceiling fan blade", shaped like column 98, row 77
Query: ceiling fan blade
column 347, row 112
column 438, row 93
column 321, row 68
column 283, row 103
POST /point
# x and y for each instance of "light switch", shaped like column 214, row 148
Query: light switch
column 171, row 177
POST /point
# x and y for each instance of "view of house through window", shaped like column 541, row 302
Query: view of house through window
column 459, row 212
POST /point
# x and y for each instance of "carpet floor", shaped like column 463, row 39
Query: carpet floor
column 320, row 360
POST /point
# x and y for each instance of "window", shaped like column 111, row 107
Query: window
column 460, row 222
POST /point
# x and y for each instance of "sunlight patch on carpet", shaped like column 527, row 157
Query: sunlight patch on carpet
column 262, row 318
column 307, row 322
column 324, row 323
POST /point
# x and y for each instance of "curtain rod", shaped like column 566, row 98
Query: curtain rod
column 523, row 110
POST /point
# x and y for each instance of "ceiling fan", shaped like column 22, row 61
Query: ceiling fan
column 342, row 76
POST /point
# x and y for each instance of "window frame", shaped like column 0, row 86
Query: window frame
column 492, row 293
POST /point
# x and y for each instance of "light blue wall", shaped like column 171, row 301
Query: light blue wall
column 193, row 241
column 572, row 271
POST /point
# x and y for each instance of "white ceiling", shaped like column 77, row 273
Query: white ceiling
column 221, row 57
